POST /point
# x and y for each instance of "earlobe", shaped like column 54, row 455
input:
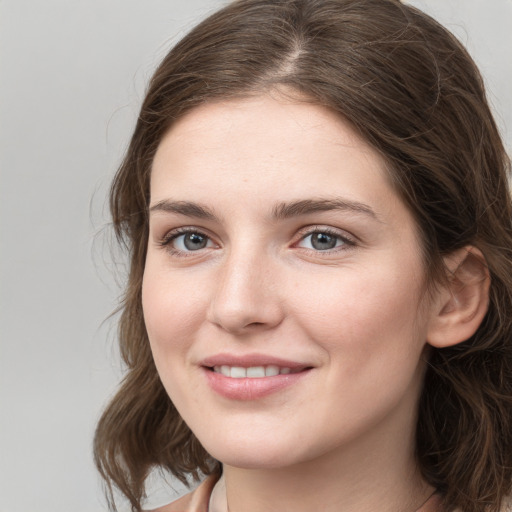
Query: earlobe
column 461, row 302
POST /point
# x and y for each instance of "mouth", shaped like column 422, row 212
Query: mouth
column 254, row 372
column 252, row 377
column 252, row 366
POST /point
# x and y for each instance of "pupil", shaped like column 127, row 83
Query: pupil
column 195, row 241
column 323, row 241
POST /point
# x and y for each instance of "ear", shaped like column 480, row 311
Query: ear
column 462, row 300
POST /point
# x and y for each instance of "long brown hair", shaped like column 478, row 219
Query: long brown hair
column 412, row 91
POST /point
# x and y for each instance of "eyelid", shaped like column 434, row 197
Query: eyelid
column 348, row 239
column 166, row 240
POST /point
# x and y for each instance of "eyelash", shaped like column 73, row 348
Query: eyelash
column 346, row 240
column 173, row 235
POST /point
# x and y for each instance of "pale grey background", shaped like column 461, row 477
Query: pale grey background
column 72, row 74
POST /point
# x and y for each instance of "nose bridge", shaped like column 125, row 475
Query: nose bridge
column 245, row 290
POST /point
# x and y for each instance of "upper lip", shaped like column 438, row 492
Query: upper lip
column 251, row 360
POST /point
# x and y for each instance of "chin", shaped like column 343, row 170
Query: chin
column 256, row 453
column 254, row 460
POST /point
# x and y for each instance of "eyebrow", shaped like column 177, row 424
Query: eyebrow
column 307, row 206
column 185, row 208
column 284, row 210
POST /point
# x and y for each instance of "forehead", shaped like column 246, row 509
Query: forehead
column 265, row 141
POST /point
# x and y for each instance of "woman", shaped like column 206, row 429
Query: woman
column 319, row 307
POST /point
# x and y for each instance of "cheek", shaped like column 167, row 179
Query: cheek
column 172, row 310
column 368, row 316
column 368, row 327
column 172, row 307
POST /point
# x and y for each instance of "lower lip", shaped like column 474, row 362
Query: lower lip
column 251, row 388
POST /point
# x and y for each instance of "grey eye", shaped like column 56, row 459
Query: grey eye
column 321, row 241
column 191, row 242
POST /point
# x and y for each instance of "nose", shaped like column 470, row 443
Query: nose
column 246, row 295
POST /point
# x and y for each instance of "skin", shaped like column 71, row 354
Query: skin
column 357, row 314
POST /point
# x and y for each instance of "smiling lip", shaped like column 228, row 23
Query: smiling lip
column 279, row 374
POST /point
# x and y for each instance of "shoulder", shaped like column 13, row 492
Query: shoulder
column 195, row 501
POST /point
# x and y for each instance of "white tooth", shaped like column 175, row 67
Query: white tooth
column 216, row 369
column 284, row 371
column 271, row 370
column 225, row 370
column 237, row 372
column 256, row 371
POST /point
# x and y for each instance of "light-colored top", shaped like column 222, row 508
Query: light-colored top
column 195, row 501
column 199, row 500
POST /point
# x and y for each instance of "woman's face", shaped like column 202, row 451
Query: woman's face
column 283, row 288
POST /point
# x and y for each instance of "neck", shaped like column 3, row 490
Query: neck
column 376, row 472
